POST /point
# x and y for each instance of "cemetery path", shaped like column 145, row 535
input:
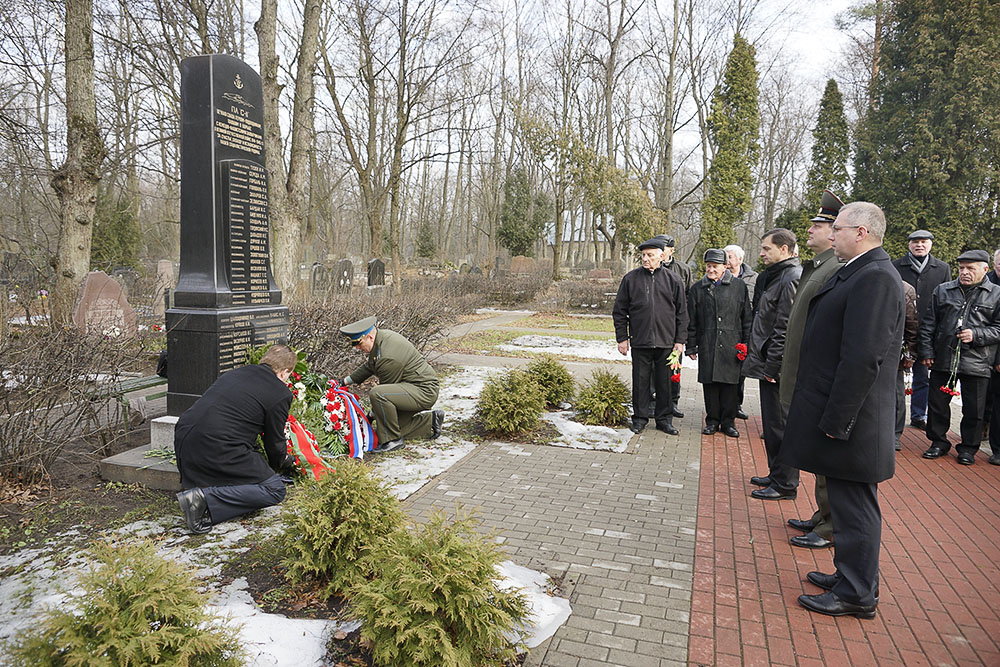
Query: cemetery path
column 666, row 559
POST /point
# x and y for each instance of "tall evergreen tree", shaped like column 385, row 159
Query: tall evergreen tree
column 929, row 150
column 523, row 215
column 828, row 170
column 734, row 124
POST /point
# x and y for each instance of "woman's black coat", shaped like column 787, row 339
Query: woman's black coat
column 719, row 318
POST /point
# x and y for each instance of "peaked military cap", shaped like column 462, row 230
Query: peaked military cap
column 715, row 256
column 655, row 242
column 974, row 256
column 355, row 330
column 919, row 235
column 829, row 207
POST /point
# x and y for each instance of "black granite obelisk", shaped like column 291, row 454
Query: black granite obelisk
column 226, row 300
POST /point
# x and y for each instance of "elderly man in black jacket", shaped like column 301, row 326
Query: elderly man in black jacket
column 719, row 320
column 842, row 416
column 650, row 316
column 925, row 272
column 958, row 340
column 772, row 304
column 223, row 474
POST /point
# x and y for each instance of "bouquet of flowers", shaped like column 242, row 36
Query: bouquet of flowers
column 343, row 414
column 297, row 387
column 741, row 351
column 301, row 445
column 674, row 362
column 949, row 387
column 908, row 383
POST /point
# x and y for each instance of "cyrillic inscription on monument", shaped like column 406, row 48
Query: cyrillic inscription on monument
column 246, row 219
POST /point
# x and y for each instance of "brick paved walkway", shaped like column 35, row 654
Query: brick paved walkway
column 668, row 561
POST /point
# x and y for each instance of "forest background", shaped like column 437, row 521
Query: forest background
column 442, row 133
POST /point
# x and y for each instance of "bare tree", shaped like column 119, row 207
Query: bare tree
column 76, row 181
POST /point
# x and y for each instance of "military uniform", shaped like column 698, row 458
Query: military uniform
column 407, row 389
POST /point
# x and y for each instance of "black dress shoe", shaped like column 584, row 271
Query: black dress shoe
column 810, row 541
column 390, row 446
column 966, row 458
column 637, row 427
column 710, row 429
column 899, row 445
column 935, row 452
column 763, row 481
column 828, row 581
column 731, row 432
column 805, row 525
column 677, row 413
column 195, row 509
column 669, row 429
column 771, row 493
column 919, row 423
column 994, row 460
column 742, row 415
column 437, row 421
column 829, row 604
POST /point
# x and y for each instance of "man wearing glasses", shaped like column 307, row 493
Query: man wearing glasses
column 842, row 419
column 407, row 389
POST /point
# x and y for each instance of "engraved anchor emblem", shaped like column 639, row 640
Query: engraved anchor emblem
column 238, row 82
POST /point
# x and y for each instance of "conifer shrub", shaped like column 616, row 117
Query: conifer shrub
column 335, row 527
column 603, row 400
column 510, row 402
column 136, row 608
column 554, row 379
column 437, row 602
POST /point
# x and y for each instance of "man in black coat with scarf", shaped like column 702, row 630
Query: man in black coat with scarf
column 772, row 304
column 222, row 472
column 650, row 316
column 719, row 320
column 842, row 418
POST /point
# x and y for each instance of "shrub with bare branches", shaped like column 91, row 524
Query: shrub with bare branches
column 56, row 386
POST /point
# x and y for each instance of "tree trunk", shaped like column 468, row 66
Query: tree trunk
column 76, row 181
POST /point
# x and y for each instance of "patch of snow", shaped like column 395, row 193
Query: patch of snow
column 587, row 349
column 580, row 436
column 408, row 475
column 498, row 311
column 546, row 613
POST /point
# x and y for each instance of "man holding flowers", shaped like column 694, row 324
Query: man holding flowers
column 958, row 338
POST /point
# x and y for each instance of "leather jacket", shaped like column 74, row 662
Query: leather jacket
column 980, row 312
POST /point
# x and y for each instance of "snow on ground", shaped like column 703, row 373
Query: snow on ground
column 580, row 436
column 39, row 578
column 574, row 347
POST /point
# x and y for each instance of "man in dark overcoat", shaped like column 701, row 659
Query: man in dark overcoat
column 842, row 415
column 214, row 440
column 719, row 320
column 682, row 271
column 743, row 271
column 650, row 316
column 772, row 304
column 925, row 272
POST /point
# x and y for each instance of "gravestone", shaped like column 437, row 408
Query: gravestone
column 319, row 279
column 344, row 275
column 519, row 264
column 599, row 274
column 376, row 272
column 102, row 309
column 476, row 271
column 226, row 300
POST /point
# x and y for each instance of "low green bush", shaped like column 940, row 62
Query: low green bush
column 333, row 528
column 511, row 402
column 603, row 399
column 437, row 603
column 554, row 379
column 136, row 609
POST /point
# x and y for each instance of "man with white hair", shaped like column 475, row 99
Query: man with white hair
column 962, row 324
column 842, row 419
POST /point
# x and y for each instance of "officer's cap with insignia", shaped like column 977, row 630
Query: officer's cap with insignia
column 829, row 207
column 355, row 331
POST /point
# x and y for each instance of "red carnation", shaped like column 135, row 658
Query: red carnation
column 741, row 351
column 909, row 391
column 676, row 377
column 329, row 407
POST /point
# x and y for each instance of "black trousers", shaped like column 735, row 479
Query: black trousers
column 720, row 403
column 651, row 363
column 993, row 412
column 857, row 537
column 229, row 502
column 772, row 416
column 973, row 390
column 900, row 404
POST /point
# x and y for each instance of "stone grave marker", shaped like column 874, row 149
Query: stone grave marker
column 376, row 272
column 319, row 279
column 519, row 264
column 103, row 310
column 599, row 274
column 226, row 300
column 344, row 275
column 476, row 271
